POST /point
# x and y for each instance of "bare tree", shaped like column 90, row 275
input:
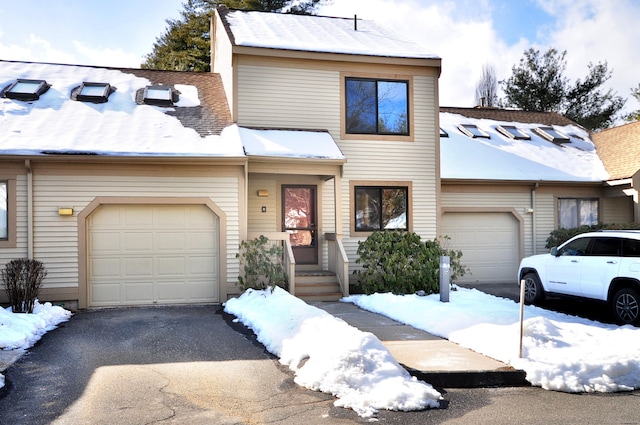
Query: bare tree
column 487, row 87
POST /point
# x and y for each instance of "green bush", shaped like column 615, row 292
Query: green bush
column 261, row 264
column 559, row 236
column 22, row 279
column 399, row 262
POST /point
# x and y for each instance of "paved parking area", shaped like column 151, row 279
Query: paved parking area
column 160, row 364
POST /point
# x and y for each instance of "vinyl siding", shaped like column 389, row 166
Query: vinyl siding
column 56, row 237
column 617, row 210
column 289, row 98
column 299, row 96
column 257, row 220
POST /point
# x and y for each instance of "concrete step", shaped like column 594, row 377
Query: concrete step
column 317, row 286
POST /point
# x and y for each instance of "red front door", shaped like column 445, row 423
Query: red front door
column 299, row 220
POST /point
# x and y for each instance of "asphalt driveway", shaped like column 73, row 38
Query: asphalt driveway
column 156, row 365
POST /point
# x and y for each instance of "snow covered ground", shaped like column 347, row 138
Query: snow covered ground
column 560, row 352
column 19, row 331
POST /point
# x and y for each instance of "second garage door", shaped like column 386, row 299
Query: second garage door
column 152, row 254
column 489, row 243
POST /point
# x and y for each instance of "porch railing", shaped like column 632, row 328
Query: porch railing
column 288, row 260
column 338, row 261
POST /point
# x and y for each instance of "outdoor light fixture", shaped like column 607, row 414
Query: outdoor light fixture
column 263, row 193
column 65, row 211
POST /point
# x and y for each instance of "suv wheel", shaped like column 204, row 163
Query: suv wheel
column 533, row 292
column 626, row 306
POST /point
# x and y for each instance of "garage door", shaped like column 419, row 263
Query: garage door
column 489, row 244
column 160, row 254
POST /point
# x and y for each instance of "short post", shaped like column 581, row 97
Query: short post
column 522, row 284
column 445, row 272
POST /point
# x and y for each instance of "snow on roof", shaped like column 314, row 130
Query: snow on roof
column 56, row 124
column 502, row 158
column 317, row 34
column 289, row 143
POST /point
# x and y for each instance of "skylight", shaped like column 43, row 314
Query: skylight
column 443, row 133
column 92, row 92
column 551, row 134
column 473, row 131
column 27, row 90
column 159, row 95
column 513, row 132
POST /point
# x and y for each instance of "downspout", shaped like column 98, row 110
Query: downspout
column 533, row 217
column 27, row 165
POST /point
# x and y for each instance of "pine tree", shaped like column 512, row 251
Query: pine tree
column 184, row 46
column 538, row 83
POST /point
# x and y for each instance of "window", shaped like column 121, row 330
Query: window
column 513, row 132
column 376, row 106
column 443, row 133
column 471, row 130
column 577, row 212
column 92, row 92
column 4, row 208
column 381, row 207
column 630, row 248
column 27, row 90
column 160, row 95
column 606, row 247
column 575, row 248
column 551, row 134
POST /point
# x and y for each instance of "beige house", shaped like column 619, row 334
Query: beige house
column 136, row 187
column 511, row 177
column 619, row 149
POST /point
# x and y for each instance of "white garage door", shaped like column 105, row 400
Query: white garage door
column 152, row 254
column 489, row 243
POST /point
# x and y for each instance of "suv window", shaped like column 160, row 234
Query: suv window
column 606, row 247
column 630, row 248
column 577, row 247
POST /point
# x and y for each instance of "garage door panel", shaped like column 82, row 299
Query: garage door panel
column 145, row 254
column 489, row 243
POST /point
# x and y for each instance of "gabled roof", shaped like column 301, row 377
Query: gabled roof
column 619, row 149
column 57, row 124
column 316, row 34
column 502, row 158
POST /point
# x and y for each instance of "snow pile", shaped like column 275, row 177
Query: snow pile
column 560, row 352
column 19, row 331
column 329, row 355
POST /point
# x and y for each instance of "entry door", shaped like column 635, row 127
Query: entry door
column 299, row 216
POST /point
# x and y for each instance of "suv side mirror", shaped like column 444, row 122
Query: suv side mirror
column 555, row 252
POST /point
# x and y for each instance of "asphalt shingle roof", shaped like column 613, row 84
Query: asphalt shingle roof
column 619, row 149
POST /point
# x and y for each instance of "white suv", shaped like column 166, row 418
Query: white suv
column 601, row 265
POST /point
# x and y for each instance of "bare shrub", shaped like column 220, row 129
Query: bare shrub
column 22, row 279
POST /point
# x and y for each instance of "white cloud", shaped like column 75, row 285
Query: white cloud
column 107, row 56
column 465, row 38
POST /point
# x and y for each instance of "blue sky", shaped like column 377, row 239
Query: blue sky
column 466, row 34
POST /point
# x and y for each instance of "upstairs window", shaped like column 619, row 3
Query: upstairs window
column 92, row 92
column 574, row 212
column 381, row 207
column 551, row 134
column 4, row 208
column 26, row 90
column 471, row 130
column 513, row 132
column 375, row 106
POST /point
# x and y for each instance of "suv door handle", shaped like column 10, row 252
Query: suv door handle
column 612, row 262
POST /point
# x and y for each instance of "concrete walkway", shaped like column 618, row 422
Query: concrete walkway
column 432, row 359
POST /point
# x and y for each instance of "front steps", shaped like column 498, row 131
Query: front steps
column 317, row 286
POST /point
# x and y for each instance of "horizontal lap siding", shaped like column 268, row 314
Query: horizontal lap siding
column 289, row 98
column 299, row 97
column 56, row 237
column 414, row 161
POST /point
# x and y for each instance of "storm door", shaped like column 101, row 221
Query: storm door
column 299, row 219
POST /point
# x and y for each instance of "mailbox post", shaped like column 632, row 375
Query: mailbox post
column 445, row 275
